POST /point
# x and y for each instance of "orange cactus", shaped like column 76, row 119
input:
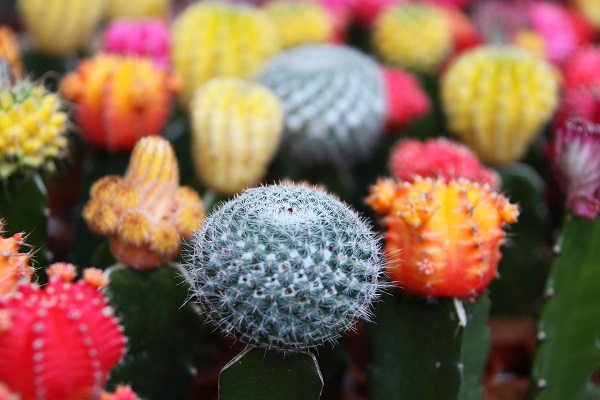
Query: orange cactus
column 443, row 239
column 119, row 99
column 9, row 50
column 14, row 266
column 146, row 213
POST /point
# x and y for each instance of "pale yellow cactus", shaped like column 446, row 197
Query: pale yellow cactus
column 496, row 99
column 211, row 39
column 60, row 27
column 413, row 36
column 138, row 8
column 237, row 125
column 591, row 9
column 145, row 214
column 300, row 22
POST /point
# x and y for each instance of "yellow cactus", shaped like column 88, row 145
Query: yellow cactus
column 145, row 214
column 9, row 51
column 237, row 125
column 413, row 36
column 60, row 27
column 496, row 99
column 443, row 239
column 32, row 128
column 212, row 39
column 591, row 9
column 138, row 8
column 300, row 22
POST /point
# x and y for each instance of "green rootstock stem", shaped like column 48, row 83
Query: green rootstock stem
column 420, row 350
column 257, row 374
column 568, row 352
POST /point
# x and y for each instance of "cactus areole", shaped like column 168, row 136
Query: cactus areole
column 285, row 267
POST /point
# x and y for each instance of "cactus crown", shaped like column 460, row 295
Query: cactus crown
column 285, row 267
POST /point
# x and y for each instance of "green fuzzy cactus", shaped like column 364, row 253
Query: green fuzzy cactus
column 333, row 99
column 285, row 267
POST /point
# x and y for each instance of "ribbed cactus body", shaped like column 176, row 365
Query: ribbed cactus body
column 333, row 99
column 61, row 341
column 413, row 36
column 237, row 126
column 285, row 267
column 32, row 128
column 442, row 239
column 211, row 39
column 118, row 100
column 496, row 99
column 60, row 27
column 300, row 22
column 138, row 8
column 9, row 51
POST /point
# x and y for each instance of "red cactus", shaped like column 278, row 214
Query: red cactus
column 61, row 341
column 583, row 68
column 406, row 100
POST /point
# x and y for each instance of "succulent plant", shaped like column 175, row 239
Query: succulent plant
column 212, row 39
column 9, row 51
column 406, row 100
column 581, row 70
column 118, row 100
column 236, row 128
column 496, row 99
column 300, row 22
column 333, row 99
column 61, row 27
column 14, row 265
column 285, row 267
column 554, row 24
column 443, row 239
column 138, row 8
column 61, row 341
column 397, row 27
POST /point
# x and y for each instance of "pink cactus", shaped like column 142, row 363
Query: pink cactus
column 144, row 38
column 59, row 342
column 554, row 24
column 583, row 69
column 406, row 100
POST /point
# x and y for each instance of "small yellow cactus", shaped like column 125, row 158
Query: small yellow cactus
column 138, row 8
column 496, row 99
column 591, row 10
column 413, row 36
column 300, row 22
column 211, row 39
column 32, row 128
column 145, row 214
column 237, row 125
column 60, row 27
column 9, row 51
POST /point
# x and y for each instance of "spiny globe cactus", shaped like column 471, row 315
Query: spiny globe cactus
column 443, row 239
column 496, row 99
column 119, row 99
column 138, row 8
column 413, row 36
column 300, row 22
column 32, row 128
column 285, row 267
column 60, row 27
column 333, row 99
column 59, row 342
column 237, row 125
column 14, row 265
column 9, row 51
column 406, row 100
column 213, row 39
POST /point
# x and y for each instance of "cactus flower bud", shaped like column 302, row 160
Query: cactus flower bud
column 145, row 214
column 138, row 8
column 576, row 149
column 442, row 239
column 62, row 340
column 439, row 158
column 60, row 27
column 406, row 100
column 285, row 267
column 14, row 266
column 9, row 51
column 300, row 22
column 118, row 100
column 237, row 125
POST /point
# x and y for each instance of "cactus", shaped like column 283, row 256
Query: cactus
column 9, row 51
column 145, row 214
column 14, row 265
column 138, row 8
column 118, row 100
column 300, row 22
column 59, row 342
column 496, row 99
column 397, row 27
column 143, row 38
column 406, row 100
column 61, row 27
column 333, row 99
column 120, row 393
column 236, row 126
column 214, row 39
column 285, row 267
column 553, row 23
column 581, row 71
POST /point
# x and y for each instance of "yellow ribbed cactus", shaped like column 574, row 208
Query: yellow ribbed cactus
column 413, row 36
column 496, row 99
column 32, row 128
column 211, row 39
column 591, row 9
column 300, row 22
column 9, row 51
column 236, row 130
column 138, row 8
column 60, row 27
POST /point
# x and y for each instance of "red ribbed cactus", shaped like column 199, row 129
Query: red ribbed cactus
column 406, row 100
column 59, row 342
